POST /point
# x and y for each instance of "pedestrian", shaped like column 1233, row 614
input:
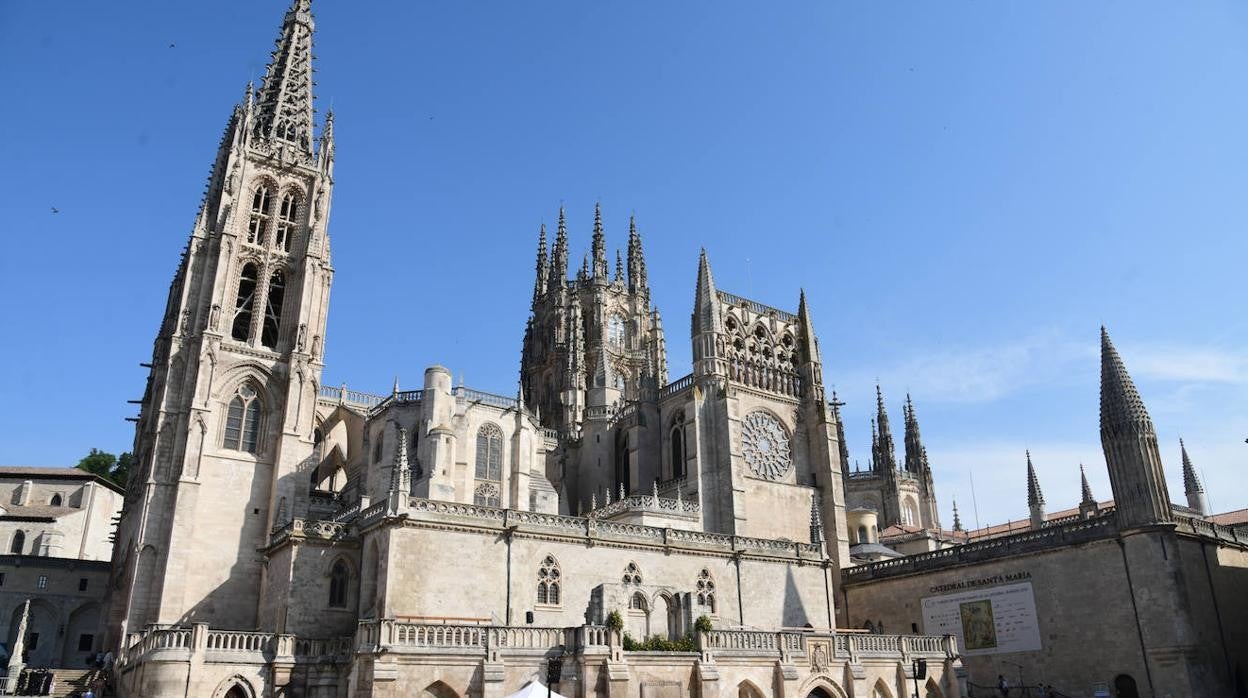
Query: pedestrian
column 108, row 660
column 1041, row 691
column 1003, row 685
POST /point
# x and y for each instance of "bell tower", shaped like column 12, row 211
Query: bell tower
column 225, row 430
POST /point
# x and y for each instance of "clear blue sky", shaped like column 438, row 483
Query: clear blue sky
column 966, row 190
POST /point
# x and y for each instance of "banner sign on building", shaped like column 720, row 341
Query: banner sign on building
column 991, row 620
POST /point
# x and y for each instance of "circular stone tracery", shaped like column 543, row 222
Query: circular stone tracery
column 766, row 445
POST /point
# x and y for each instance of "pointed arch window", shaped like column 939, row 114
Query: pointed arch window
column 678, row 445
column 258, row 226
column 549, row 581
column 637, row 602
column 489, row 452
column 19, row 542
column 338, row 580
column 56, row 500
column 617, row 332
column 285, row 222
column 242, row 421
column 273, row 309
column 706, row 591
column 241, row 330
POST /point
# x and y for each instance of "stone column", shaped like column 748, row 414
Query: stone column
column 19, row 647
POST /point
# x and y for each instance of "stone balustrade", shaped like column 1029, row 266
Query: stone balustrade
column 244, row 647
column 756, row 307
column 676, row 386
column 648, row 503
column 1081, row 531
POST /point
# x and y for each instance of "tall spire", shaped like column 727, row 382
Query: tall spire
column 1195, row 491
column 886, row 453
column 913, row 441
column 636, row 258
column 957, row 520
column 599, row 245
column 619, row 267
column 559, row 256
column 284, row 105
column 1130, row 443
column 1084, row 488
column 543, row 266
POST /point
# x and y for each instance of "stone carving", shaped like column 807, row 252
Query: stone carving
column 766, row 445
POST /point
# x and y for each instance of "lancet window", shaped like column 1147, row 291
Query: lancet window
column 489, row 452
column 338, row 580
column 677, row 436
column 486, row 495
column 19, row 542
column 706, row 590
column 258, row 225
column 286, row 222
column 241, row 330
column 242, row 421
column 273, row 309
column 549, row 580
column 617, row 334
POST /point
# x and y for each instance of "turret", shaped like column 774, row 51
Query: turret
column 1195, row 491
column 637, row 282
column 706, row 325
column 1130, row 443
column 811, row 366
column 1035, row 498
column 559, row 256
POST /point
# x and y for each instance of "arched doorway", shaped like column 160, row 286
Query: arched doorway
column 674, row 631
column 236, row 692
column 1124, row 687
column 819, row 693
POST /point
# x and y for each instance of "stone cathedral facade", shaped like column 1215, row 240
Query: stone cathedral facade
column 284, row 537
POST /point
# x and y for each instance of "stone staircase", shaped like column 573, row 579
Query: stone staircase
column 72, row 682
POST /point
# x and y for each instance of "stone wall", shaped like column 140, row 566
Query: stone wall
column 1095, row 620
column 66, row 598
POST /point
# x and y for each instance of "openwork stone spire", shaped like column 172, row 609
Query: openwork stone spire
column 886, row 454
column 543, row 265
column 559, row 256
column 915, row 455
column 1130, row 444
column 284, row 105
column 957, row 520
column 1195, row 491
column 599, row 245
column 636, row 258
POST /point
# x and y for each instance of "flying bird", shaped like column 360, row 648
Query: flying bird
column 55, row 210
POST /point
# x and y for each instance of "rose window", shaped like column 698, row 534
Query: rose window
column 766, row 445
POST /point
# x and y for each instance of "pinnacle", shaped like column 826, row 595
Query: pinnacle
column 1191, row 483
column 1034, row 496
column 1085, row 488
column 1122, row 409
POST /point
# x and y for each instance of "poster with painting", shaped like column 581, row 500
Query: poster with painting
column 988, row 620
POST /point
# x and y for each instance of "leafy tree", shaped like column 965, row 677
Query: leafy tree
column 115, row 469
column 615, row 621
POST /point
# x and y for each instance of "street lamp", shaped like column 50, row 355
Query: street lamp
column 919, row 667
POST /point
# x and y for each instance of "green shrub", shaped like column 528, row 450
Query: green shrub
column 654, row 643
column 615, row 621
column 702, row 624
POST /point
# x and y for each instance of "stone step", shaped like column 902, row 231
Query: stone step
column 72, row 682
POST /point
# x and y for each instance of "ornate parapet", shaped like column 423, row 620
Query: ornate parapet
column 310, row 529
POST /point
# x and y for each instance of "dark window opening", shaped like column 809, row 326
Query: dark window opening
column 257, row 227
column 286, row 223
column 19, row 542
column 338, row 586
column 273, row 309
column 82, row 584
column 241, row 330
column 56, row 500
column 85, row 642
column 242, row 421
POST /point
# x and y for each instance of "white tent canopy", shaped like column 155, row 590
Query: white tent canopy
column 535, row 689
